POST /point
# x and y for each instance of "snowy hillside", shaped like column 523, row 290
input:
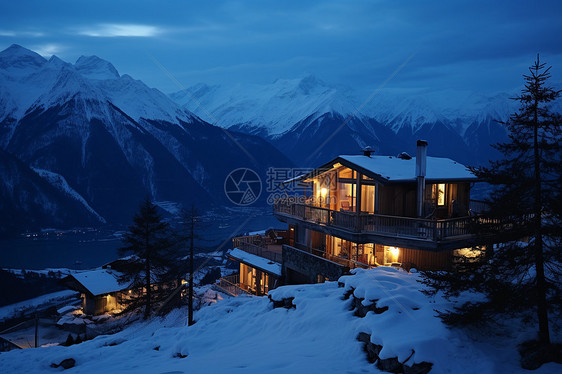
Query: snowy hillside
column 315, row 333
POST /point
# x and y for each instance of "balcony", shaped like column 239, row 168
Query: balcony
column 432, row 234
column 343, row 261
column 266, row 250
column 231, row 285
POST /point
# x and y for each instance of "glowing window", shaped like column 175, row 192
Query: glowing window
column 345, row 173
column 441, row 194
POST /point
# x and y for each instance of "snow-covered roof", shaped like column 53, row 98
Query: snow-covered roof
column 256, row 261
column 394, row 169
column 100, row 281
column 261, row 232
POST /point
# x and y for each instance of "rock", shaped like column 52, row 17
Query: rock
column 348, row 293
column 420, row 368
column 283, row 303
column 65, row 364
column 370, row 348
column 362, row 310
column 372, row 351
column 364, row 337
column 392, row 365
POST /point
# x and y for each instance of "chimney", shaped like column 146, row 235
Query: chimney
column 367, row 151
column 421, row 166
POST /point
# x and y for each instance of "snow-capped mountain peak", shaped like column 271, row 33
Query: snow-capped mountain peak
column 16, row 57
column 276, row 107
column 57, row 63
column 28, row 81
column 94, row 67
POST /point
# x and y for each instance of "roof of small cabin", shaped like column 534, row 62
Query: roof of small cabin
column 390, row 169
column 258, row 262
column 99, row 281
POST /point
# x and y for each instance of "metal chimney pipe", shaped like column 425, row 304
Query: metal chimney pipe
column 367, row 151
column 421, row 166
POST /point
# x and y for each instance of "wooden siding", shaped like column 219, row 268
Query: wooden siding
column 419, row 259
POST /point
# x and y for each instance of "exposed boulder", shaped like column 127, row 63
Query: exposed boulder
column 361, row 310
column 283, row 303
column 391, row 364
column 65, row 364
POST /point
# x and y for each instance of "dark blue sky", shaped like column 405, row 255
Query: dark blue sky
column 476, row 45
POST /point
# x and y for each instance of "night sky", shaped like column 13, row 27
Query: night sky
column 483, row 46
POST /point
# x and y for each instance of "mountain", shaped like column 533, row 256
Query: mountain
column 270, row 110
column 113, row 140
column 31, row 201
column 301, row 115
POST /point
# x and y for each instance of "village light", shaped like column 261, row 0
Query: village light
column 323, row 191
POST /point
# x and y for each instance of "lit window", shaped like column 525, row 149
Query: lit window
column 441, row 194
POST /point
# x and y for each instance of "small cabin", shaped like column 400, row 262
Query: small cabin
column 100, row 290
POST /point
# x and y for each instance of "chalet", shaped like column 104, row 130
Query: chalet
column 259, row 255
column 366, row 211
column 100, row 290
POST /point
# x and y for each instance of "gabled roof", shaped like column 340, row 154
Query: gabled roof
column 390, row 169
column 394, row 169
column 99, row 281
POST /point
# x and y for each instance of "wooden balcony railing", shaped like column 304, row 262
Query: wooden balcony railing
column 242, row 243
column 418, row 228
column 349, row 263
column 231, row 284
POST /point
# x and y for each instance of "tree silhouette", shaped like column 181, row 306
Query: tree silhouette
column 151, row 242
column 522, row 272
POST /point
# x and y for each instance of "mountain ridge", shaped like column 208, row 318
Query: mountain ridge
column 113, row 140
column 458, row 124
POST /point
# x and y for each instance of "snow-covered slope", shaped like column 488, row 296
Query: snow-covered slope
column 61, row 184
column 274, row 108
column 113, row 139
column 318, row 335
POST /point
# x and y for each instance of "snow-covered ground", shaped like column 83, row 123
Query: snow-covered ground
column 55, row 298
column 247, row 335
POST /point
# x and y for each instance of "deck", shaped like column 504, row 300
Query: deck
column 436, row 234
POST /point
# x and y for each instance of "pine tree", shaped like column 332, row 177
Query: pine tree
column 523, row 272
column 151, row 242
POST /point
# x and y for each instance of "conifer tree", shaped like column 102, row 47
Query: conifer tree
column 523, row 271
column 151, row 242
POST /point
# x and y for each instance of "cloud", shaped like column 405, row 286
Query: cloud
column 13, row 33
column 47, row 50
column 108, row 30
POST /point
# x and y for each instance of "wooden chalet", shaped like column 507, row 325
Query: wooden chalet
column 369, row 210
column 100, row 290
